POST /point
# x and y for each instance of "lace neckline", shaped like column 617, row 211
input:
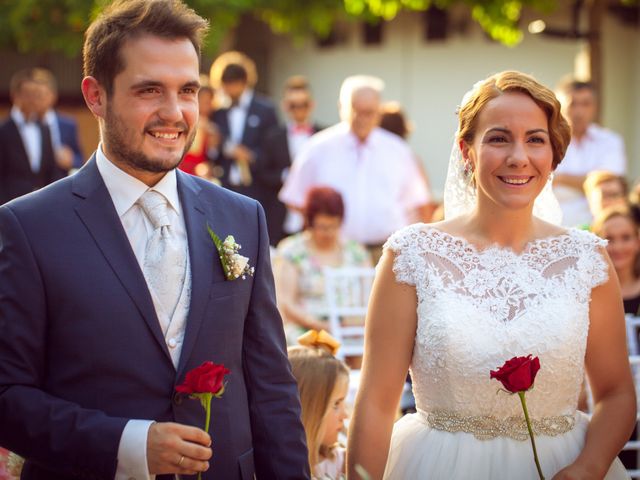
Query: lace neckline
column 468, row 246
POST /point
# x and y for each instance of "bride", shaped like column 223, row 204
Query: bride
column 456, row 299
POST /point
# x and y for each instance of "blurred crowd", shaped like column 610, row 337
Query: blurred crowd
column 332, row 194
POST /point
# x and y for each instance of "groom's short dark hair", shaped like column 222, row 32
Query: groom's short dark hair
column 124, row 20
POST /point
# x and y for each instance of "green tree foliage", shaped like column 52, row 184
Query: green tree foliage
column 58, row 25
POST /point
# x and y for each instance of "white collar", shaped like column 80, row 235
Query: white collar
column 355, row 141
column 125, row 190
column 18, row 117
column 49, row 117
column 245, row 99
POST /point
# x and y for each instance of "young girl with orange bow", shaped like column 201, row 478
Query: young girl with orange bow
column 323, row 382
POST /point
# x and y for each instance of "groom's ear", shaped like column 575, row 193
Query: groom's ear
column 95, row 96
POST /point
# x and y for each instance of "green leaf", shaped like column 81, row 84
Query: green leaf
column 58, row 25
column 218, row 244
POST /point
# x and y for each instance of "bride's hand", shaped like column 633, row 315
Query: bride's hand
column 575, row 472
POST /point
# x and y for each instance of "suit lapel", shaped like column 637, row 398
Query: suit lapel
column 285, row 153
column 221, row 119
column 99, row 216
column 249, row 130
column 18, row 145
column 205, row 265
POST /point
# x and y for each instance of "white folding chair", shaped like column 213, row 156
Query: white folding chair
column 634, row 361
column 633, row 329
column 347, row 292
column 634, row 444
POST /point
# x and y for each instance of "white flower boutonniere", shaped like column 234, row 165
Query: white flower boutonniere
column 233, row 264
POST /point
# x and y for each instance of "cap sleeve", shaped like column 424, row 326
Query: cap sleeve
column 592, row 264
column 403, row 244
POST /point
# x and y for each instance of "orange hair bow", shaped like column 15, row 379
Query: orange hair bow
column 319, row 339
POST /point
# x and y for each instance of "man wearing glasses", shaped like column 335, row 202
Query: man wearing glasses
column 281, row 146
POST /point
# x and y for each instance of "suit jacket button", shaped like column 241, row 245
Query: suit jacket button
column 177, row 398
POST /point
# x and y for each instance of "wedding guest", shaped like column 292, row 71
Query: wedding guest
column 63, row 128
column 323, row 383
column 207, row 139
column 243, row 123
column 374, row 170
column 393, row 119
column 281, row 145
column 301, row 258
column 603, row 190
column 592, row 148
column 27, row 160
column 618, row 226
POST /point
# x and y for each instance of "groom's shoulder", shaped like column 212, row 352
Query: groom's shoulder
column 49, row 199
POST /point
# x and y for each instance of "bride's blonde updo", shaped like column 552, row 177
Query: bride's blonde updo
column 511, row 81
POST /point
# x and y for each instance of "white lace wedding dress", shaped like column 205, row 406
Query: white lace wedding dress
column 477, row 309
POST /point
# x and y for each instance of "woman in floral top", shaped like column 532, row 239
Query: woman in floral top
column 301, row 258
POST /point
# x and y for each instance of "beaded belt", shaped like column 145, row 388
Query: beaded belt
column 487, row 427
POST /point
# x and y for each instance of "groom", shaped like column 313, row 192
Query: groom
column 111, row 288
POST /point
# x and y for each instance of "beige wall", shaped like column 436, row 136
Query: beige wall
column 429, row 79
column 621, row 95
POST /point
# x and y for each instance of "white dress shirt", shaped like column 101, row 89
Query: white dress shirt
column 31, row 138
column 296, row 140
column 599, row 149
column 379, row 180
column 297, row 137
column 237, row 116
column 125, row 191
column 51, row 121
column 237, row 119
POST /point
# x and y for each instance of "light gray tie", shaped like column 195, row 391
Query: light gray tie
column 165, row 259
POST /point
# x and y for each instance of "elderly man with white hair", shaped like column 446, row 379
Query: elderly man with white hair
column 374, row 170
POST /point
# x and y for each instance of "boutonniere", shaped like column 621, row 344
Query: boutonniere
column 233, row 264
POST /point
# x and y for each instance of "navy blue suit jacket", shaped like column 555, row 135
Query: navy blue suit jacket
column 69, row 137
column 16, row 176
column 261, row 118
column 274, row 160
column 81, row 350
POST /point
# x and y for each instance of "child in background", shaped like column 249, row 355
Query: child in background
column 323, row 381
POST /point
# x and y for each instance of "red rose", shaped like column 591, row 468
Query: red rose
column 207, row 378
column 517, row 374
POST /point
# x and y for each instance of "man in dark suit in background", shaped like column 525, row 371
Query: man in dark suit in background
column 27, row 160
column 280, row 147
column 243, row 124
column 111, row 289
column 63, row 128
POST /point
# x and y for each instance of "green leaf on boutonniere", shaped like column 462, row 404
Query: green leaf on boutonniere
column 218, row 244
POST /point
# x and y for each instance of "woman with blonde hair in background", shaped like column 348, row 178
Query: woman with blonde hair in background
column 618, row 226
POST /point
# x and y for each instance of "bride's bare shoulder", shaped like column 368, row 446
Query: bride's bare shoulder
column 456, row 227
column 548, row 230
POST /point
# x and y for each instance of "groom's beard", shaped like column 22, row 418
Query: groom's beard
column 119, row 141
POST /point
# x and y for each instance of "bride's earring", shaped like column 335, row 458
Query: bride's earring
column 468, row 172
